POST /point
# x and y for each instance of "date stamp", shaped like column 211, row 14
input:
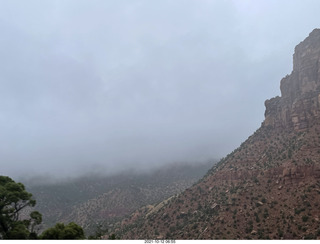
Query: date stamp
column 159, row 241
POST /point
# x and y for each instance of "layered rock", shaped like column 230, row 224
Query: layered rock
column 299, row 104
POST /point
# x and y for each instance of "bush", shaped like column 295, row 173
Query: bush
column 71, row 231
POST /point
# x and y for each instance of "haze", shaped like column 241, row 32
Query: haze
column 114, row 85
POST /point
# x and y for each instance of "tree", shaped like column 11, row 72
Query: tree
column 13, row 199
column 60, row 231
column 36, row 219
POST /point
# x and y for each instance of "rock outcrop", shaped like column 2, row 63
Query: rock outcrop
column 269, row 187
column 299, row 104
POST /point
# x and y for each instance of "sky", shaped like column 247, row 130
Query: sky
column 106, row 86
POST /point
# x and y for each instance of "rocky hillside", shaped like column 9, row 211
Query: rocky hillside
column 268, row 188
column 93, row 201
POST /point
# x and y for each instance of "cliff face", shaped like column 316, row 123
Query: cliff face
column 299, row 104
column 269, row 187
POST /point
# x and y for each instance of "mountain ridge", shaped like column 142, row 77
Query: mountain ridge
column 100, row 201
column 269, row 187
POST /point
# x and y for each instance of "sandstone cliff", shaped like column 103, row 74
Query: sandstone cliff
column 299, row 104
column 269, row 187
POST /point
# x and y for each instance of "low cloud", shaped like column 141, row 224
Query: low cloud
column 109, row 86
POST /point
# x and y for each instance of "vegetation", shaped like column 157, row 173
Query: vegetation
column 13, row 200
column 60, row 231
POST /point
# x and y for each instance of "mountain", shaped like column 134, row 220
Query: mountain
column 94, row 201
column 268, row 188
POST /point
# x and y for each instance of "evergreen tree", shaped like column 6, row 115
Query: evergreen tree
column 13, row 199
column 60, row 231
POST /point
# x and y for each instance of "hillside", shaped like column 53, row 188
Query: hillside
column 269, row 187
column 92, row 201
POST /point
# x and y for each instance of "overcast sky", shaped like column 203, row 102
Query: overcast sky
column 109, row 85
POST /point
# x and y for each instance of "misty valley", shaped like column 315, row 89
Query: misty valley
column 97, row 201
column 160, row 121
column 267, row 188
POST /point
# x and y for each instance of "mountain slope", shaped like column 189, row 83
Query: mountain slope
column 92, row 201
column 268, row 188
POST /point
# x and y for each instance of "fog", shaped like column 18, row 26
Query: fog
column 106, row 86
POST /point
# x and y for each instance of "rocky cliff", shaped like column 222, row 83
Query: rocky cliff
column 269, row 187
column 299, row 104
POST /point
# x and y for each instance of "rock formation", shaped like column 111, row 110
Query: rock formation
column 269, row 187
column 299, row 104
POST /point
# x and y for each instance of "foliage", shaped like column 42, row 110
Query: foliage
column 60, row 231
column 13, row 199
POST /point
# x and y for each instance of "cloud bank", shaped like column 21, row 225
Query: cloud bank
column 113, row 85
